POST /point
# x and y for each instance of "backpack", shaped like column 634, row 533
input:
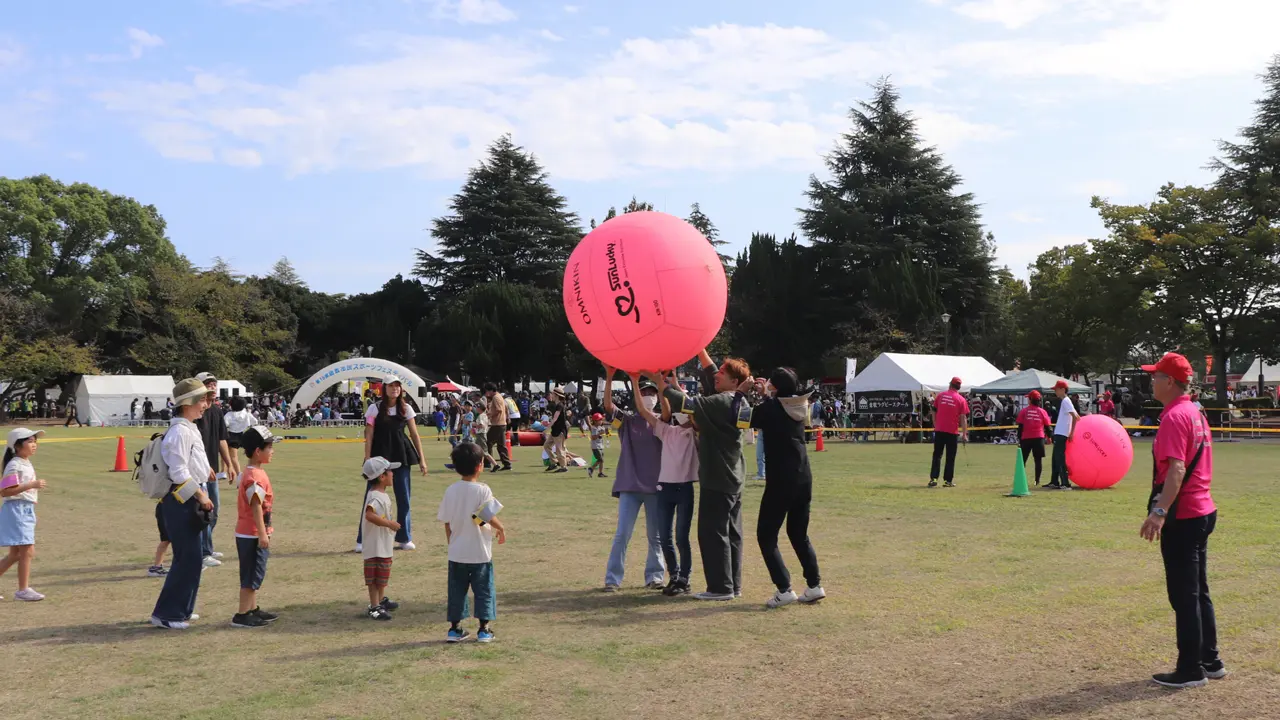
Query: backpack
column 151, row 471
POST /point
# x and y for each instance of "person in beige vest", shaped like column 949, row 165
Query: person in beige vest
column 497, row 413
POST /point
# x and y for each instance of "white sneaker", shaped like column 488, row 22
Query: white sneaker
column 359, row 548
column 406, row 546
column 781, row 598
column 812, row 595
column 194, row 617
column 212, row 561
column 28, row 595
column 168, row 624
column 216, row 554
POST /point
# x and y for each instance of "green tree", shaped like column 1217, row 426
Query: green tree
column 81, row 255
column 506, row 224
column 502, row 331
column 699, row 220
column 32, row 356
column 897, row 242
column 284, row 273
column 771, row 315
column 1249, row 170
column 1199, row 268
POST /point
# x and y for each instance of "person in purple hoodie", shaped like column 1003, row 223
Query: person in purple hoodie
column 635, row 483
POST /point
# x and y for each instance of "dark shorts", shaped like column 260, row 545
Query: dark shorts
column 1033, row 445
column 597, row 455
column 377, row 571
column 253, row 563
column 164, row 536
column 235, row 440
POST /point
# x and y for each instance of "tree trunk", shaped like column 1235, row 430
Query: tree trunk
column 1220, row 382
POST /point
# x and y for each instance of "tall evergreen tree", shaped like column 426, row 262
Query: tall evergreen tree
column 771, row 317
column 897, row 242
column 1249, row 171
column 709, row 230
column 284, row 272
column 506, row 224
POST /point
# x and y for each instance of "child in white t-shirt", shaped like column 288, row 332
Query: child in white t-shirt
column 468, row 512
column 378, row 531
column 20, row 488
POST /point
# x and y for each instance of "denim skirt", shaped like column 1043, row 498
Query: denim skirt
column 17, row 523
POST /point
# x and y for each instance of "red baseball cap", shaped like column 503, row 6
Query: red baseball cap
column 1034, row 395
column 1061, row 384
column 956, row 381
column 1173, row 365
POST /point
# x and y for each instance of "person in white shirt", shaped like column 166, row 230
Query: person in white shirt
column 468, row 512
column 183, row 451
column 677, row 472
column 238, row 420
column 1063, row 432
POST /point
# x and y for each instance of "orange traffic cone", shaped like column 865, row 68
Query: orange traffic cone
column 122, row 460
column 820, row 446
column 507, row 438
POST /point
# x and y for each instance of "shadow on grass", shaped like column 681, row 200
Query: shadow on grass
column 1081, row 701
column 362, row 651
column 95, row 634
column 141, row 577
column 593, row 607
column 91, row 570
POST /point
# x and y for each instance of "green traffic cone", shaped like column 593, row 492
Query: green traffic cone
column 1020, row 488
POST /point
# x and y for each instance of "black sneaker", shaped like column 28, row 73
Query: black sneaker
column 247, row 620
column 376, row 612
column 933, row 483
column 948, row 484
column 655, row 585
column 1215, row 670
column 677, row 587
column 601, row 474
column 563, row 470
column 269, row 617
column 1053, row 486
column 1066, row 486
column 1178, row 679
column 505, row 468
column 550, row 468
column 389, row 604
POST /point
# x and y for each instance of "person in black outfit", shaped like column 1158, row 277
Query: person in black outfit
column 384, row 436
column 147, row 409
column 213, row 431
column 788, row 490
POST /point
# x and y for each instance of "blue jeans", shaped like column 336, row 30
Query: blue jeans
column 206, row 537
column 760, row 454
column 675, row 507
column 400, row 486
column 178, row 596
column 478, row 577
column 629, row 504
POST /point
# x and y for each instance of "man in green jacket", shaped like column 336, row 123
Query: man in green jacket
column 721, row 473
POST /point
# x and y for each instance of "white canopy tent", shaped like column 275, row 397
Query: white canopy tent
column 1270, row 373
column 923, row 373
column 233, row 388
column 104, row 399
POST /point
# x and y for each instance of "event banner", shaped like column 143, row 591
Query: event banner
column 886, row 402
column 850, row 370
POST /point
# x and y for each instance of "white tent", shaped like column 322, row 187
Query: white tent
column 923, row 373
column 1270, row 373
column 105, row 399
column 232, row 388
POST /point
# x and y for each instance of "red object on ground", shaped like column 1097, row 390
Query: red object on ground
column 529, row 439
column 122, row 460
column 507, row 438
column 820, row 446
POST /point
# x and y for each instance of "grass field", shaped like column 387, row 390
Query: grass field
column 946, row 603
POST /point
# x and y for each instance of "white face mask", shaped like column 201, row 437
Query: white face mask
column 650, row 401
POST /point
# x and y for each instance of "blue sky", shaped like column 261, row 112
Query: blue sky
column 333, row 131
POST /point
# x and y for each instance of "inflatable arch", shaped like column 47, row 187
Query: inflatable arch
column 356, row 369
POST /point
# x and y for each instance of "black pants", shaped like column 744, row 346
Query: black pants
column 943, row 440
column 1059, row 462
column 789, row 502
column 1034, row 446
column 497, row 435
column 720, row 540
column 1184, row 546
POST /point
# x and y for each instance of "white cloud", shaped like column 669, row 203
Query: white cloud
column 477, row 12
column 1025, row 217
column 948, row 130
column 11, row 54
column 1101, row 187
column 1019, row 255
column 548, row 35
column 180, row 141
column 572, row 9
column 241, row 157
column 140, row 40
column 25, row 115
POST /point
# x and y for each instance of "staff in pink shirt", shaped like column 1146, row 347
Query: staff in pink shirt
column 1182, row 515
column 950, row 421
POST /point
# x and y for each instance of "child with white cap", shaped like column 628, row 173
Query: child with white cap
column 19, row 487
column 378, row 530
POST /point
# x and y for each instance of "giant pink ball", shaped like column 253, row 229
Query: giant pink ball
column 1100, row 453
column 645, row 291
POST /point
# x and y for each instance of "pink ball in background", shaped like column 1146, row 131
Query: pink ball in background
column 1100, row 453
column 645, row 291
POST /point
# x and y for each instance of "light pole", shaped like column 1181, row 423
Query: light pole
column 946, row 333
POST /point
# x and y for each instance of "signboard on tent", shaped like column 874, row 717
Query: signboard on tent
column 884, row 402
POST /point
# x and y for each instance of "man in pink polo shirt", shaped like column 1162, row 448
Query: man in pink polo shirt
column 950, row 420
column 1182, row 515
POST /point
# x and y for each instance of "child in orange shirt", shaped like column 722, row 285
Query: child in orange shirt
column 254, row 501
